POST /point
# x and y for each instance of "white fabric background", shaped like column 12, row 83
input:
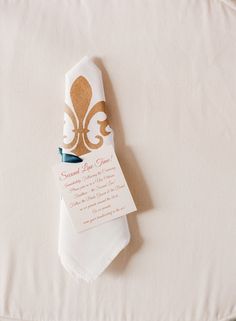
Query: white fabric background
column 169, row 75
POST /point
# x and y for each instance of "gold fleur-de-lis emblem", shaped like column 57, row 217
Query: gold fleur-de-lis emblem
column 81, row 94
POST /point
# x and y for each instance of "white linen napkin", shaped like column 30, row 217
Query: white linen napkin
column 85, row 255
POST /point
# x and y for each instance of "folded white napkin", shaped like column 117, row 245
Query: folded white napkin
column 86, row 254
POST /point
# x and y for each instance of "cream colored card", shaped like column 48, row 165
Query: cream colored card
column 95, row 191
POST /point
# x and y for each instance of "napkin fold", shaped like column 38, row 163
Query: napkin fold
column 85, row 255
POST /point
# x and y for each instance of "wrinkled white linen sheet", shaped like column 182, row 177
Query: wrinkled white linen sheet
column 169, row 76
